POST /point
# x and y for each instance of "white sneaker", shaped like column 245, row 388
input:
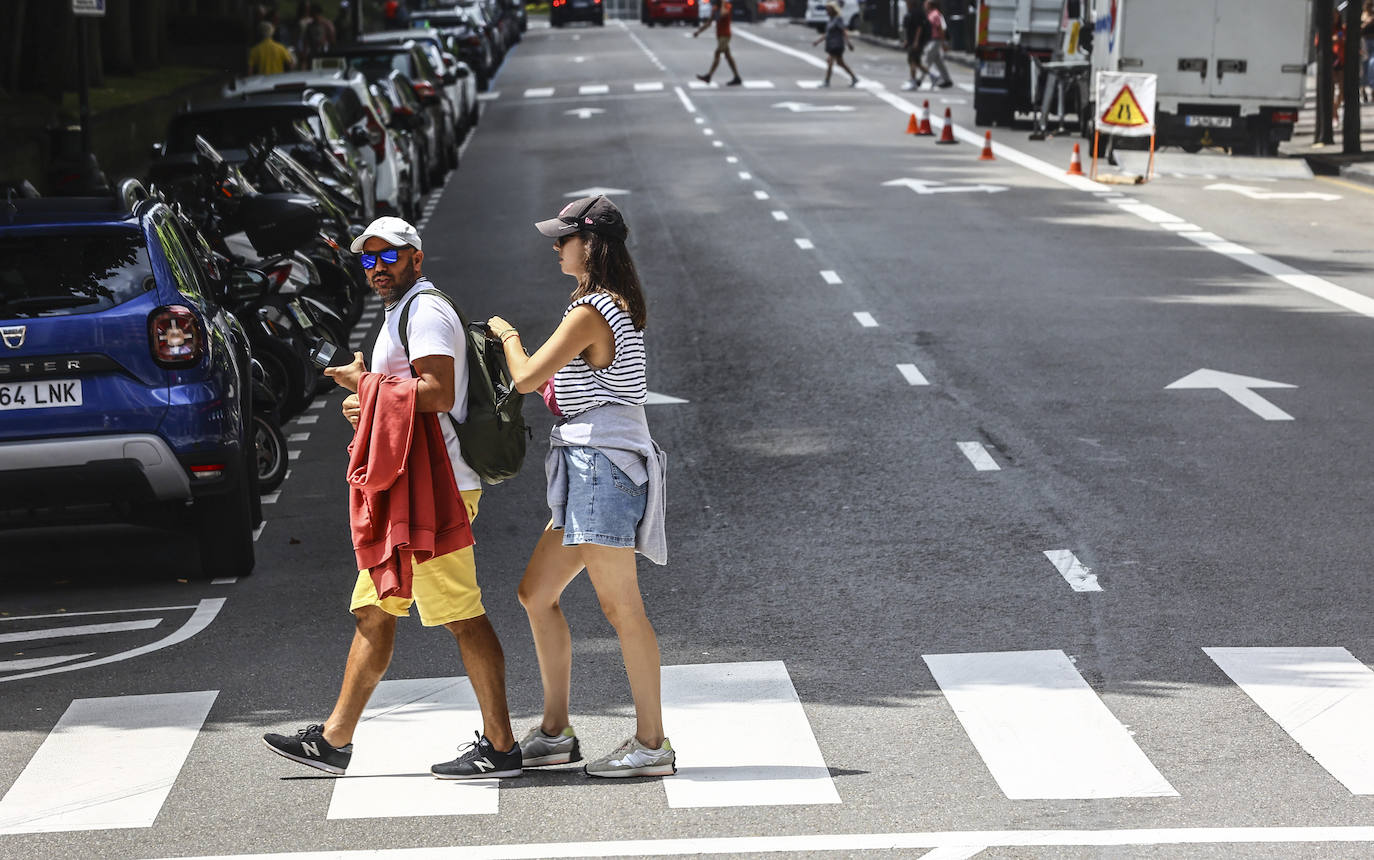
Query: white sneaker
column 632, row 758
column 538, row 749
column 909, row 85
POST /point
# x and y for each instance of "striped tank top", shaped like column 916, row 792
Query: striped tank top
column 577, row 386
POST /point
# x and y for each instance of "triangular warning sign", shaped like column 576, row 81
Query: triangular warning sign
column 1124, row 111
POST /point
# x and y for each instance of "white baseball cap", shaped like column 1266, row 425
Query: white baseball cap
column 397, row 231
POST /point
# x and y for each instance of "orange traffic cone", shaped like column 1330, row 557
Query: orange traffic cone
column 1075, row 163
column 987, row 148
column 912, row 127
column 925, row 129
column 947, row 134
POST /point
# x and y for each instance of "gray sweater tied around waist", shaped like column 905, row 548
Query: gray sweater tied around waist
column 622, row 434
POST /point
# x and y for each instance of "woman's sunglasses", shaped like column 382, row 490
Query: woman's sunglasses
column 389, row 256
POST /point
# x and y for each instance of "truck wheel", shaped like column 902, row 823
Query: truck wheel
column 224, row 531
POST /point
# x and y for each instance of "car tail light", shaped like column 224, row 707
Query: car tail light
column 207, row 472
column 425, row 90
column 1286, row 116
column 175, row 336
column 280, row 274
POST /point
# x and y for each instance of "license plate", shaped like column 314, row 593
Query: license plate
column 302, row 318
column 993, row 69
column 40, row 394
column 1207, row 121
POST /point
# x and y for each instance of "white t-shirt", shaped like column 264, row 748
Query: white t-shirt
column 434, row 330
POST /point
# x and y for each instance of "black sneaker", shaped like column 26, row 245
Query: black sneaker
column 705, row 79
column 308, row 747
column 734, row 82
column 480, row 760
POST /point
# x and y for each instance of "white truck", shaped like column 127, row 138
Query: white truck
column 1230, row 72
column 1014, row 38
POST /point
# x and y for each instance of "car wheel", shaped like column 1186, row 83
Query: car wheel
column 223, row 527
column 286, row 374
column 272, row 459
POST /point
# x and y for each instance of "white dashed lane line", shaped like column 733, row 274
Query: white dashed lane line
column 978, row 455
column 829, row 276
column 865, row 319
column 911, row 374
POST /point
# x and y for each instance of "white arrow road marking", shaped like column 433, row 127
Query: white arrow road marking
column 1260, row 194
column 931, row 186
column 583, row 112
column 911, row 374
column 1323, row 698
column 1079, row 577
column 803, row 107
column 1041, row 730
column 656, row 399
column 1238, row 388
column 596, row 190
column 978, row 455
column 108, row 763
column 81, row 630
column 750, row 739
column 205, row 612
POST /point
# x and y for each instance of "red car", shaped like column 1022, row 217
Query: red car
column 771, row 7
column 653, row 12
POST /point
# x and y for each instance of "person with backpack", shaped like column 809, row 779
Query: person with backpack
column 420, row 380
column 605, row 485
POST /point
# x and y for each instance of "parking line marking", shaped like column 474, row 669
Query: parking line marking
column 257, row 532
column 81, row 630
column 298, row 437
column 224, row 580
column 270, row 498
column 830, row 277
column 865, row 319
column 911, row 374
column 779, row 215
column 293, row 454
column 307, row 419
column 1079, row 577
column 804, row 244
column 316, row 404
column 978, row 455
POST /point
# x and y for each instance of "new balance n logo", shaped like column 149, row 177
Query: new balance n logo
column 311, row 749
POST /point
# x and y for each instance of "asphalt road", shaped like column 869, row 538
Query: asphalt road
column 841, row 305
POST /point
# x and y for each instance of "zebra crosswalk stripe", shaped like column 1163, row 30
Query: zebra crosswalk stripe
column 108, row 763
column 743, row 736
column 1322, row 697
column 1041, row 730
column 408, row 726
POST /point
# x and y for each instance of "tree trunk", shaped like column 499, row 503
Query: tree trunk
column 1350, row 131
column 117, row 38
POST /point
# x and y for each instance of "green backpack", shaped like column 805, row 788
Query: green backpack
column 494, row 435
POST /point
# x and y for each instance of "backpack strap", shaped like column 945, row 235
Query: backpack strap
column 404, row 323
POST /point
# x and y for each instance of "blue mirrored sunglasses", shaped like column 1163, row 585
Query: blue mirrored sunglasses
column 389, row 256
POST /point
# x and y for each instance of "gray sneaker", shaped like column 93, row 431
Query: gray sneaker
column 538, row 749
column 632, row 758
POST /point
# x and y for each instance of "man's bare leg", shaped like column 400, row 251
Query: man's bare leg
column 374, row 639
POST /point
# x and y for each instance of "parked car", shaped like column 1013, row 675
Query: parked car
column 377, row 60
column 125, row 386
column 562, row 12
column 465, row 37
column 816, row 17
column 771, row 8
column 482, row 15
column 517, row 10
column 410, row 115
column 347, row 89
column 666, row 12
column 460, row 83
column 235, row 123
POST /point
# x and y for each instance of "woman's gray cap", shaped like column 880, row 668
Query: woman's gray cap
column 593, row 214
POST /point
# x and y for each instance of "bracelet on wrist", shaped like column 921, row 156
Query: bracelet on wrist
column 508, row 334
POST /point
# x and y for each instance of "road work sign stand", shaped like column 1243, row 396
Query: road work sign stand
column 1125, row 108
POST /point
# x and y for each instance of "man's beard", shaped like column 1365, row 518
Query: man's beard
column 396, row 285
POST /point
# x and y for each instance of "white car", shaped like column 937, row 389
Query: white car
column 817, row 17
column 460, row 82
column 348, row 91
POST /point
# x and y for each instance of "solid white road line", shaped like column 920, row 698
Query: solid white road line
column 593, row 90
column 1041, row 730
column 804, row 244
column 779, row 215
column 108, row 763
column 686, row 102
column 205, row 612
column 408, row 726
column 81, row 630
column 865, row 319
column 1322, row 697
column 850, row 842
column 37, row 662
column 911, row 374
column 743, row 736
column 1079, row 578
column 829, row 276
column 978, row 455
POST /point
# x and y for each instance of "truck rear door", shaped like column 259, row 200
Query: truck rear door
column 1253, row 42
column 1172, row 39
column 1032, row 24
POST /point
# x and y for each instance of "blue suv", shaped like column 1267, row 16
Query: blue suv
column 125, row 387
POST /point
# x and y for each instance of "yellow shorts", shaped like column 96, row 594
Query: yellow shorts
column 444, row 587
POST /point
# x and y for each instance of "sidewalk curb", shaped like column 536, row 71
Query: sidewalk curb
column 1362, row 173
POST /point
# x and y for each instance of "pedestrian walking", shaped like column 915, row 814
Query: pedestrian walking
column 939, row 42
column 317, row 35
column 605, row 485
column 836, row 38
column 916, row 29
column 419, row 528
column 721, row 11
column 269, row 57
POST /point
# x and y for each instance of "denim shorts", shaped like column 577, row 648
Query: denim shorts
column 604, row 505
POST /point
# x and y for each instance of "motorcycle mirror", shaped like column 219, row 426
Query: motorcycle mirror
column 247, row 284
